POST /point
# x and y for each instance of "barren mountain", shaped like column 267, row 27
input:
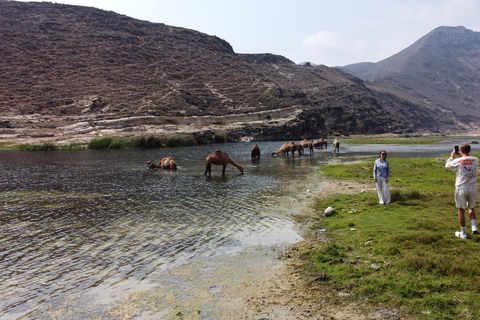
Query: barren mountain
column 79, row 72
column 441, row 71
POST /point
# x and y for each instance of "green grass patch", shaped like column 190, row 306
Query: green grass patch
column 220, row 137
column 140, row 142
column 391, row 140
column 49, row 146
column 423, row 267
column 180, row 141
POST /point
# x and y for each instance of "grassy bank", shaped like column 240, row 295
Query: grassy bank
column 406, row 139
column 403, row 255
column 111, row 142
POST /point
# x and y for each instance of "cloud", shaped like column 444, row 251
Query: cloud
column 441, row 12
column 329, row 48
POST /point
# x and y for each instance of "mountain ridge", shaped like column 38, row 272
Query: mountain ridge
column 79, row 72
column 440, row 71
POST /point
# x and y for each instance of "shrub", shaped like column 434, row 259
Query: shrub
column 100, row 143
column 220, row 137
column 397, row 195
column 179, row 141
column 46, row 146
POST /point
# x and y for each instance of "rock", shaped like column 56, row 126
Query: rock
column 474, row 142
column 329, row 212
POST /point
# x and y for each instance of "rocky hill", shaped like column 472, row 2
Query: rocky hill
column 73, row 72
column 441, row 71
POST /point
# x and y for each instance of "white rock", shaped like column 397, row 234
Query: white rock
column 329, row 212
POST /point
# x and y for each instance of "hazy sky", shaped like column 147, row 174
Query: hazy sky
column 329, row 32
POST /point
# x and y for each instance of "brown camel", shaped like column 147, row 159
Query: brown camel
column 284, row 150
column 152, row 164
column 307, row 145
column 336, row 145
column 220, row 158
column 255, row 151
column 168, row 163
column 296, row 147
column 319, row 143
column 165, row 163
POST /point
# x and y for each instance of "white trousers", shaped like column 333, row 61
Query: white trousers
column 382, row 190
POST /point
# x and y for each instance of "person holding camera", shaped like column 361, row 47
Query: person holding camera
column 381, row 173
column 466, row 192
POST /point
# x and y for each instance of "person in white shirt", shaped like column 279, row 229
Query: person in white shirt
column 466, row 192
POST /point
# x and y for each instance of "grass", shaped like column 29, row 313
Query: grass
column 406, row 139
column 110, row 142
column 179, row 141
column 140, row 142
column 424, row 268
column 220, row 137
column 48, row 146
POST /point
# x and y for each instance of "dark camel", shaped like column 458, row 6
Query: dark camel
column 255, row 151
column 319, row 143
column 220, row 158
column 296, row 147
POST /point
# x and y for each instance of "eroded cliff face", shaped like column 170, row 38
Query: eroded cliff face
column 72, row 72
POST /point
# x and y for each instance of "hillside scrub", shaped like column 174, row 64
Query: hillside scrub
column 404, row 255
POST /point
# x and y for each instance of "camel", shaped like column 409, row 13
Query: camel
column 165, row 163
column 168, row 163
column 336, row 145
column 152, row 164
column 255, row 151
column 296, row 147
column 284, row 150
column 307, row 145
column 319, row 143
column 221, row 158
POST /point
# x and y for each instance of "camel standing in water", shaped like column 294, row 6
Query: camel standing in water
column 284, row 150
column 336, row 145
column 319, row 143
column 220, row 158
column 307, row 145
column 255, row 151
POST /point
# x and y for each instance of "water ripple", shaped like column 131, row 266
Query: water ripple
column 73, row 222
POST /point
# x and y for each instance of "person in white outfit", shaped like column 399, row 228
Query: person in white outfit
column 466, row 192
column 381, row 174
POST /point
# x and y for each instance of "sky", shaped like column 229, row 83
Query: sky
column 328, row 32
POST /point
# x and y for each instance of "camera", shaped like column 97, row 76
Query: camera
column 456, row 149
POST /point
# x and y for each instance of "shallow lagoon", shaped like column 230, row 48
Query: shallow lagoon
column 80, row 231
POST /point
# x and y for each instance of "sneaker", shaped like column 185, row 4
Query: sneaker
column 474, row 230
column 460, row 235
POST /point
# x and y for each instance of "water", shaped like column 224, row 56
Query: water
column 82, row 230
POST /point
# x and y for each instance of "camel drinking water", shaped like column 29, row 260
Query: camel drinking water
column 165, row 163
column 220, row 158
